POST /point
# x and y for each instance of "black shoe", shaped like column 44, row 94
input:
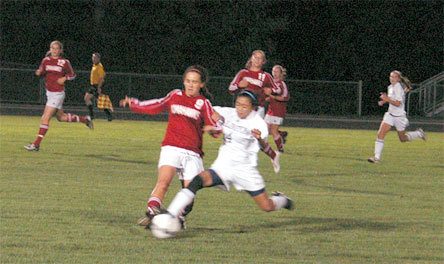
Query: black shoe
column 284, row 135
column 289, row 205
column 150, row 213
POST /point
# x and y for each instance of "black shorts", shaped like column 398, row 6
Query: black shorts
column 93, row 90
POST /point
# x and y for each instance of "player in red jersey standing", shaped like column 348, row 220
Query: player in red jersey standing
column 56, row 70
column 278, row 106
column 254, row 79
column 181, row 150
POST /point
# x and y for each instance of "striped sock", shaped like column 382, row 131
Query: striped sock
column 269, row 151
column 42, row 131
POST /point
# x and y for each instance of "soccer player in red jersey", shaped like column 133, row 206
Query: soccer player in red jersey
column 181, row 150
column 254, row 79
column 277, row 107
column 56, row 70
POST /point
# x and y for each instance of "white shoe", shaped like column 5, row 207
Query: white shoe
column 32, row 147
column 422, row 134
column 89, row 122
column 275, row 162
column 373, row 160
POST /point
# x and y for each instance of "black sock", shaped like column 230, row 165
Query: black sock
column 108, row 114
column 91, row 112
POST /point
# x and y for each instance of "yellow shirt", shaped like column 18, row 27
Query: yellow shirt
column 97, row 73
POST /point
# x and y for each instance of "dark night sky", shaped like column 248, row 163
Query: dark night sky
column 328, row 40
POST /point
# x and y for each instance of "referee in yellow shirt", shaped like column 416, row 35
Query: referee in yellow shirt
column 97, row 79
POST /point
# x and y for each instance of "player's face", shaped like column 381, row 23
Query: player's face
column 257, row 60
column 394, row 77
column 192, row 84
column 277, row 73
column 95, row 59
column 55, row 50
column 243, row 106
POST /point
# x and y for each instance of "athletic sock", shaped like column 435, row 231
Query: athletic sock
column 182, row 199
column 412, row 135
column 269, row 151
column 279, row 202
column 279, row 142
column 42, row 131
column 76, row 118
column 379, row 146
column 91, row 112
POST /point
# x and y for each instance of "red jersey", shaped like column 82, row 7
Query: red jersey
column 53, row 69
column 279, row 108
column 185, row 120
column 257, row 80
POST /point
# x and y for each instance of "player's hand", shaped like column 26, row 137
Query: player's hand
column 124, row 102
column 38, row 72
column 267, row 91
column 384, row 97
column 256, row 133
column 61, row 80
column 381, row 103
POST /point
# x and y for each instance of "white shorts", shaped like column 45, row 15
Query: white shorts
column 240, row 176
column 261, row 111
column 55, row 99
column 188, row 163
column 399, row 122
column 274, row 120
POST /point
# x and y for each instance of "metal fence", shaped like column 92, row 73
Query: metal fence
column 307, row 96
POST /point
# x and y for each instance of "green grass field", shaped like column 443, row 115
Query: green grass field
column 78, row 199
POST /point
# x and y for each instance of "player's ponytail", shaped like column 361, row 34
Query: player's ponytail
column 405, row 82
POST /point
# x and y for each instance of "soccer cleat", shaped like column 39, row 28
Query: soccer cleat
column 373, row 160
column 149, row 215
column 284, row 135
column 182, row 222
column 290, row 203
column 422, row 134
column 32, row 147
column 89, row 122
column 275, row 162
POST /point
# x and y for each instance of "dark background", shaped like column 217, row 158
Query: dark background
column 320, row 40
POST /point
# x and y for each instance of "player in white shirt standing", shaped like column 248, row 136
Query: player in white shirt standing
column 236, row 164
column 395, row 115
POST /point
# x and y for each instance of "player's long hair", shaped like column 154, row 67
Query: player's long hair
column 204, row 77
column 405, row 82
column 283, row 71
column 48, row 53
column 248, row 64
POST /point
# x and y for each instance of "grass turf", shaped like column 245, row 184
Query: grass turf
column 77, row 200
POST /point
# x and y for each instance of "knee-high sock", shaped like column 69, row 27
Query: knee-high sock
column 182, row 199
column 279, row 202
column 42, row 132
column 379, row 146
column 75, row 118
column 412, row 135
column 279, row 142
column 269, row 151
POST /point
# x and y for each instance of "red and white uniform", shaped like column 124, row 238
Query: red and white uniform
column 279, row 108
column 257, row 80
column 185, row 121
column 53, row 69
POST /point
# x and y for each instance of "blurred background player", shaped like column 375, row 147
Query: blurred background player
column 96, row 91
column 277, row 107
column 254, row 79
column 181, row 150
column 236, row 164
column 395, row 115
column 56, row 70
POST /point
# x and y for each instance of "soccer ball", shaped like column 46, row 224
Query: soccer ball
column 165, row 226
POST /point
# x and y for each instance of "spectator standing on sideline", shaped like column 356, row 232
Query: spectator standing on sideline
column 395, row 115
column 96, row 91
column 56, row 70
column 181, row 150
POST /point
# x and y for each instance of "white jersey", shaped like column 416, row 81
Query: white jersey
column 396, row 92
column 240, row 147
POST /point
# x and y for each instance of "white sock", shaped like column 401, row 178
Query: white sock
column 279, row 202
column 183, row 198
column 379, row 146
column 413, row 135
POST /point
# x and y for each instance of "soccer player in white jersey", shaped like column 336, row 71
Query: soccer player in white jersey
column 236, row 164
column 395, row 115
